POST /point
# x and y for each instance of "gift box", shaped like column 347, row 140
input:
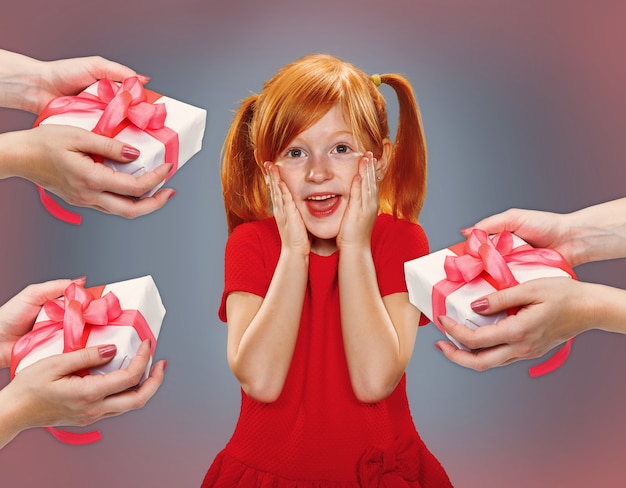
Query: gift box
column 124, row 313
column 165, row 130
column 446, row 282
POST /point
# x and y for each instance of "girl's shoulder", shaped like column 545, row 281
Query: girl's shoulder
column 258, row 229
column 399, row 233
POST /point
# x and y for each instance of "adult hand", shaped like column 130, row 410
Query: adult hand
column 18, row 315
column 47, row 393
column 552, row 311
column 56, row 157
column 540, row 229
column 29, row 84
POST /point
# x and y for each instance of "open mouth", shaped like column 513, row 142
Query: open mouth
column 322, row 205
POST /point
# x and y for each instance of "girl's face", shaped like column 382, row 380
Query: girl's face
column 318, row 167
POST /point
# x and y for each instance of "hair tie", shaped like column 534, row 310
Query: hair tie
column 377, row 80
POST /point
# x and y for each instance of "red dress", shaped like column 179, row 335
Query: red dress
column 317, row 434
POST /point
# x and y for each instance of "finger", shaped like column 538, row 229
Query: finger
column 136, row 398
column 505, row 221
column 108, row 180
column 479, row 361
column 123, row 379
column 131, row 208
column 483, row 337
column 90, row 143
column 104, row 68
column 71, row 362
column 40, row 293
column 516, row 296
column 276, row 191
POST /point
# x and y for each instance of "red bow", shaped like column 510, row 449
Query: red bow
column 390, row 468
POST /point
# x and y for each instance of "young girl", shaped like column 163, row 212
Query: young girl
column 320, row 329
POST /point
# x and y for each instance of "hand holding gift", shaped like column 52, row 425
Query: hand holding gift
column 449, row 281
column 59, row 158
column 552, row 310
column 124, row 314
column 48, row 392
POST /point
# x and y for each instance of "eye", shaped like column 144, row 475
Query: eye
column 295, row 153
column 342, row 149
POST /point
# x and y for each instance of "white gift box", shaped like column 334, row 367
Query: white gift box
column 423, row 273
column 136, row 294
column 184, row 119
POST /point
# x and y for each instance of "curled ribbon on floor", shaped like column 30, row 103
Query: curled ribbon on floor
column 128, row 103
column 487, row 257
column 75, row 313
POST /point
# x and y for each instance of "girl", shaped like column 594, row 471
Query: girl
column 320, row 328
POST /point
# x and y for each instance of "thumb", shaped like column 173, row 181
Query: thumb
column 72, row 362
column 508, row 220
column 501, row 300
column 107, row 147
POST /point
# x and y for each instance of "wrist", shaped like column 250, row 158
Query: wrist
column 20, row 81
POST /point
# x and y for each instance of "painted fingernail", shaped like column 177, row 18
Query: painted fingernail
column 438, row 346
column 480, row 305
column 130, row 152
column 80, row 279
column 164, row 365
column 144, row 78
column 171, row 195
column 107, row 351
column 466, row 230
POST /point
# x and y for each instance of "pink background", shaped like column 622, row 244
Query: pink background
column 523, row 105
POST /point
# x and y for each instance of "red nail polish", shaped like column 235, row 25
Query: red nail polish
column 130, row 152
column 480, row 305
column 107, row 351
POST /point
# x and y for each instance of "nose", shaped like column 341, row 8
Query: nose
column 319, row 168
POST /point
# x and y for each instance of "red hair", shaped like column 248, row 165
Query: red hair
column 294, row 99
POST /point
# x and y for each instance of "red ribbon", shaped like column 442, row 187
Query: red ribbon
column 128, row 103
column 75, row 313
column 485, row 257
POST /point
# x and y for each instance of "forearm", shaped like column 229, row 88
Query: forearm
column 603, row 307
column 371, row 342
column 20, row 81
column 10, row 419
column 17, row 153
column 262, row 357
column 598, row 232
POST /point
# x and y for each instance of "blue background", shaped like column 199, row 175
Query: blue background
column 523, row 105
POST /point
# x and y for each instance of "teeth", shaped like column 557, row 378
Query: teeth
column 321, row 197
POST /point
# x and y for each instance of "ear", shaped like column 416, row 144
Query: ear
column 383, row 161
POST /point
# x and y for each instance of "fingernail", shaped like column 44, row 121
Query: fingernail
column 164, row 365
column 171, row 195
column 80, row 279
column 466, row 230
column 144, row 78
column 107, row 351
column 480, row 305
column 438, row 346
column 130, row 152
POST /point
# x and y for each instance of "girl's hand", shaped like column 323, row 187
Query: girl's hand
column 358, row 221
column 293, row 233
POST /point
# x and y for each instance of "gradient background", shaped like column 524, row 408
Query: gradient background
column 523, row 105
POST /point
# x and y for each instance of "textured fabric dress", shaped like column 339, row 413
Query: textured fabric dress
column 317, row 434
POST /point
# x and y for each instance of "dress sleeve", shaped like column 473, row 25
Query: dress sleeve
column 397, row 241
column 243, row 265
